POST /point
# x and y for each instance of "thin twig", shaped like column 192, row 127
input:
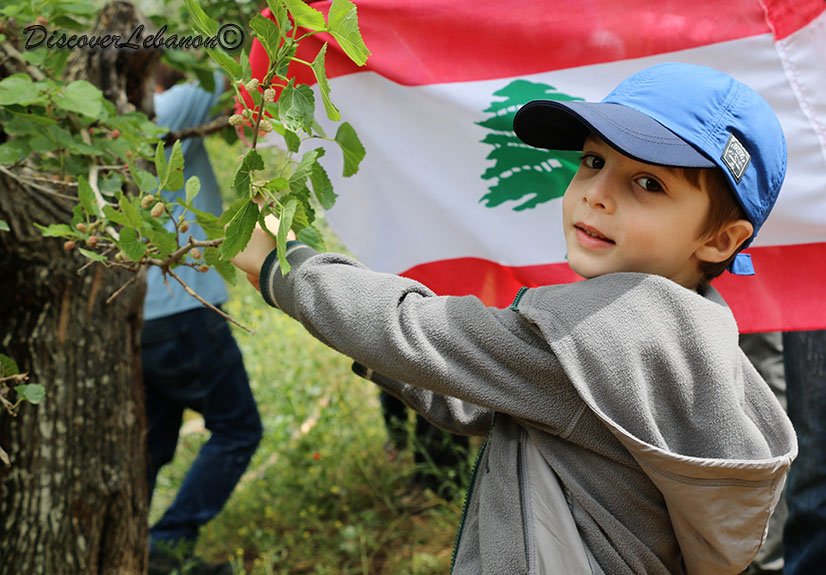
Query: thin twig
column 121, row 289
column 14, row 54
column 180, row 252
column 191, row 292
column 90, row 262
column 20, row 179
column 215, row 125
column 50, row 181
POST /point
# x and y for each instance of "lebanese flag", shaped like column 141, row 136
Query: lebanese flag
column 447, row 194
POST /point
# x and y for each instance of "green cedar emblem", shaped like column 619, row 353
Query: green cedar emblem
column 522, row 174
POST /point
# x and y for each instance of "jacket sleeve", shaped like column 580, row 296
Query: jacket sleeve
column 448, row 413
column 453, row 346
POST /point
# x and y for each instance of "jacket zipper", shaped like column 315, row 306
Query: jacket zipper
column 525, row 502
column 465, row 503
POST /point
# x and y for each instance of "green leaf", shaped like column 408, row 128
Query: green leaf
column 163, row 239
column 235, row 207
column 81, row 97
column 56, row 231
column 111, row 185
column 19, row 89
column 298, row 179
column 279, row 12
column 243, row 177
column 267, row 33
column 94, row 256
column 173, row 179
column 146, row 182
column 277, row 185
column 193, row 186
column 202, row 23
column 32, row 392
column 323, row 85
column 285, row 221
column 351, row 147
column 296, row 107
column 130, row 211
column 311, row 237
column 12, row 152
column 160, row 162
column 322, row 187
column 8, row 366
column 227, row 62
column 4, row 226
column 286, row 52
column 212, row 257
column 131, row 244
column 342, row 21
column 208, row 222
column 239, row 230
column 115, row 216
column 86, row 197
column 292, row 140
column 306, row 16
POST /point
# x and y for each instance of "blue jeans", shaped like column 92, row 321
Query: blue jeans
column 804, row 538
column 190, row 360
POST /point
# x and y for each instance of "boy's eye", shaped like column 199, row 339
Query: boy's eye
column 593, row 162
column 650, row 184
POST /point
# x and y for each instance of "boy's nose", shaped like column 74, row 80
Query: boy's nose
column 599, row 195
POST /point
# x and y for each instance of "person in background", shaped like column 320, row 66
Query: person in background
column 765, row 351
column 191, row 361
column 804, row 538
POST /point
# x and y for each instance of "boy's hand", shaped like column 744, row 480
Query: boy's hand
column 251, row 258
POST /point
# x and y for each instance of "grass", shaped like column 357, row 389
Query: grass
column 321, row 495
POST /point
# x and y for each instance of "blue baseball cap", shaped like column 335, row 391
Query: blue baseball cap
column 678, row 115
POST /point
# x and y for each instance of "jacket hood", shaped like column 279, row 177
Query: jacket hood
column 660, row 365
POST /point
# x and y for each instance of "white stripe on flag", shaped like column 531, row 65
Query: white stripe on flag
column 417, row 196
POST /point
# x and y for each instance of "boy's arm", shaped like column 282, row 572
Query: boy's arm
column 449, row 413
column 454, row 346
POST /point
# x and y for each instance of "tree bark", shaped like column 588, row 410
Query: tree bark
column 73, row 500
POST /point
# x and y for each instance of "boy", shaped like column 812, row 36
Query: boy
column 627, row 432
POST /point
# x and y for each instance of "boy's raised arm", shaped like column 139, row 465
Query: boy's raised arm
column 454, row 346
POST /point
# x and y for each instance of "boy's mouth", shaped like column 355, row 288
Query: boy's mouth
column 591, row 237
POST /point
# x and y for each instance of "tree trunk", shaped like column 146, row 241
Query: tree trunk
column 73, row 500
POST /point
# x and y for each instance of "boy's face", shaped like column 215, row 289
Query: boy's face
column 621, row 215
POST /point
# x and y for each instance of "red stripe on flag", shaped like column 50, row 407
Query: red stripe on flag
column 785, row 17
column 786, row 294
column 434, row 41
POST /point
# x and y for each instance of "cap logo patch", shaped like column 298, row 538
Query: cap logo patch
column 735, row 157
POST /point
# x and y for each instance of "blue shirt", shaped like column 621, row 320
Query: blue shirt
column 186, row 106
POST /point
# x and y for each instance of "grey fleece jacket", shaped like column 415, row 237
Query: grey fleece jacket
column 670, row 450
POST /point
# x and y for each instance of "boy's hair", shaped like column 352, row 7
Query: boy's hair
column 723, row 209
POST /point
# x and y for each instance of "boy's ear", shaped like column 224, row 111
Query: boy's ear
column 720, row 246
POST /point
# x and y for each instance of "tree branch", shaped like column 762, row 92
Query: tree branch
column 215, row 125
column 13, row 54
column 191, row 292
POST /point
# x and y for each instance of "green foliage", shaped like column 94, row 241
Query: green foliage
column 71, row 131
column 343, row 26
column 30, row 392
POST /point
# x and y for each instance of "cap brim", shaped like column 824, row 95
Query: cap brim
column 565, row 125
